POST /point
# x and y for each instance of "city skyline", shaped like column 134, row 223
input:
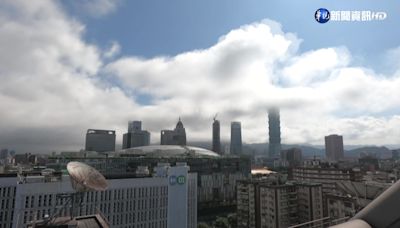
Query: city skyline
column 199, row 114
column 62, row 78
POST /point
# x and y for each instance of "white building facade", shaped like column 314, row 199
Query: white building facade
column 130, row 202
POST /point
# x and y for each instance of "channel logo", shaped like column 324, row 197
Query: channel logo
column 322, row 15
column 173, row 180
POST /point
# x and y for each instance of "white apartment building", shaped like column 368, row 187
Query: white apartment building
column 266, row 204
column 168, row 199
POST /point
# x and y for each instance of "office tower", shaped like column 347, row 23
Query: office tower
column 134, row 126
column 136, row 136
column 100, row 140
column 236, row 138
column 174, row 137
column 269, row 203
column 334, row 148
column 167, row 199
column 216, row 140
column 293, row 157
column 274, row 133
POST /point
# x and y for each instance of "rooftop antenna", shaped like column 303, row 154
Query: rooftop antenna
column 84, row 178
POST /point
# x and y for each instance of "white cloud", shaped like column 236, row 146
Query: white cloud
column 256, row 66
column 48, row 86
column 113, row 50
column 50, row 91
column 314, row 66
column 98, row 8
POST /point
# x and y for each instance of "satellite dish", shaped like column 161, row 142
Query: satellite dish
column 85, row 178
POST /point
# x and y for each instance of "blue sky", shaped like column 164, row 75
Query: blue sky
column 152, row 28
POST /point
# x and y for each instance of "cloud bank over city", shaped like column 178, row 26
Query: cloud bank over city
column 55, row 84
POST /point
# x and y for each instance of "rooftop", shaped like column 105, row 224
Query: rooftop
column 92, row 221
column 167, row 151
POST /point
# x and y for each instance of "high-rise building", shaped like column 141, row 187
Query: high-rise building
column 134, row 126
column 216, row 139
column 168, row 199
column 100, row 140
column 274, row 133
column 174, row 137
column 334, row 147
column 136, row 136
column 293, row 157
column 265, row 203
column 236, row 138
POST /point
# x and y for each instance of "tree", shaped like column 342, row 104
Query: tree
column 221, row 222
column 203, row 225
column 232, row 220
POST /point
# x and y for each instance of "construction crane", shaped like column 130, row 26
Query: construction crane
column 215, row 117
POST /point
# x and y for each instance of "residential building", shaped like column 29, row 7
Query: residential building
column 340, row 206
column 292, row 156
column 368, row 163
column 273, row 204
column 8, row 187
column 326, row 176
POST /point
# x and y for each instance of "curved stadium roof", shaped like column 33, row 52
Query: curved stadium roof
column 168, row 151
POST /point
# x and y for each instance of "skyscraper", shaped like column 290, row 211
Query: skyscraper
column 274, row 133
column 216, row 140
column 135, row 136
column 134, row 126
column 334, row 147
column 236, row 138
column 174, row 137
column 100, row 140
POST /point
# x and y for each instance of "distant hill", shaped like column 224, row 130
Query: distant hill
column 380, row 152
column 308, row 150
column 262, row 148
